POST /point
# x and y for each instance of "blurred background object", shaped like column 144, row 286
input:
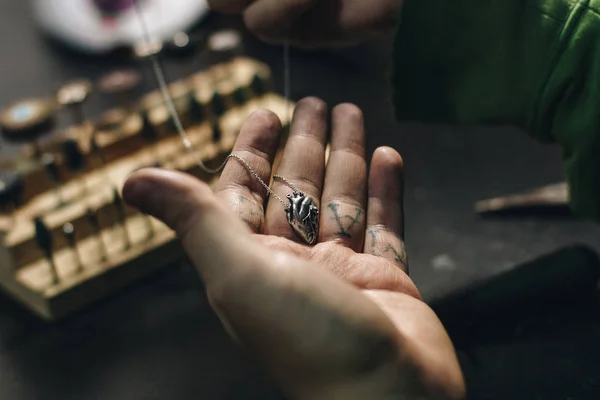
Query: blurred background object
column 99, row 26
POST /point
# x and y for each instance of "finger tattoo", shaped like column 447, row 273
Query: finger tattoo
column 381, row 246
column 250, row 213
column 343, row 231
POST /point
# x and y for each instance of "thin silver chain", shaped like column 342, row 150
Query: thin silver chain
column 259, row 179
column 162, row 84
column 288, row 183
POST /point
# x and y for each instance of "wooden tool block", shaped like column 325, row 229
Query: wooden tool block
column 102, row 262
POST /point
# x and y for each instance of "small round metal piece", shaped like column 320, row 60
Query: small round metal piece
column 182, row 45
column 181, row 39
column 69, row 230
column 28, row 119
column 73, row 93
column 119, row 81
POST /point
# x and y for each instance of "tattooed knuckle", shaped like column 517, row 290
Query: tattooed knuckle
column 346, row 222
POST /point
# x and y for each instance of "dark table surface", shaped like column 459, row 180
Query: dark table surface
column 159, row 339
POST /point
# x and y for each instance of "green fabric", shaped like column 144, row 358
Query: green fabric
column 534, row 64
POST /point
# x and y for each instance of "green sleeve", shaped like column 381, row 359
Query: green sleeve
column 534, row 64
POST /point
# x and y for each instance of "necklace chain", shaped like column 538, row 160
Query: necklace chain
column 162, row 84
column 259, row 179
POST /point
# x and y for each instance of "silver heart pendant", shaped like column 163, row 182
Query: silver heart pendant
column 303, row 216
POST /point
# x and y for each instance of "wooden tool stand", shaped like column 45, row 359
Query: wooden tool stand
column 97, row 245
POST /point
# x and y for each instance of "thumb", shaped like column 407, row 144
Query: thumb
column 218, row 244
column 212, row 237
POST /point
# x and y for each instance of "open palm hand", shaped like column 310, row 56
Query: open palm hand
column 340, row 319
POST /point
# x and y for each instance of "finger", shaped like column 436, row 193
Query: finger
column 271, row 20
column 385, row 218
column 344, row 196
column 256, row 144
column 228, row 6
column 302, row 163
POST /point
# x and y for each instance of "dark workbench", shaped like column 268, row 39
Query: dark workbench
column 159, row 339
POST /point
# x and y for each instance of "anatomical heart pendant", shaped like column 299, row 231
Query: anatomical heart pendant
column 303, row 216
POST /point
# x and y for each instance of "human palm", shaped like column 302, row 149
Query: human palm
column 338, row 319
